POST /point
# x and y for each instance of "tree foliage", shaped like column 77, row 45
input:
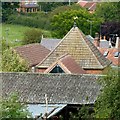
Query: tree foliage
column 85, row 112
column 4, row 46
column 109, row 11
column 8, row 8
column 49, row 6
column 62, row 22
column 110, row 29
column 11, row 62
column 61, row 9
column 32, row 36
column 11, row 108
column 35, row 20
column 108, row 102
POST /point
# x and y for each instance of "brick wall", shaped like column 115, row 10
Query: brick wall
column 40, row 70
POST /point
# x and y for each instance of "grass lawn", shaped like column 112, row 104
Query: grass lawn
column 15, row 33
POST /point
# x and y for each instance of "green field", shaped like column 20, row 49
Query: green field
column 13, row 34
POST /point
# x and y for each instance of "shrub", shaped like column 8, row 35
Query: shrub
column 32, row 36
column 38, row 20
column 11, row 108
column 108, row 102
column 11, row 62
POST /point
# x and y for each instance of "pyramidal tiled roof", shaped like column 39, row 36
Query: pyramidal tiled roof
column 80, row 48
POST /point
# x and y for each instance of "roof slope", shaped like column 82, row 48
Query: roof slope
column 33, row 53
column 68, row 64
column 50, row 43
column 60, row 88
column 90, row 5
column 111, row 55
column 80, row 48
column 82, row 3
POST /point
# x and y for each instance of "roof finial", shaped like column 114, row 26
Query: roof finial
column 75, row 18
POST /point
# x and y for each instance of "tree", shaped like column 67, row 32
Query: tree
column 61, row 23
column 111, row 19
column 32, row 36
column 109, row 11
column 108, row 102
column 85, row 112
column 49, row 6
column 8, row 8
column 61, row 9
column 109, row 29
column 12, row 108
column 11, row 62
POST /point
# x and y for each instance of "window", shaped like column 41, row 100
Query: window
column 116, row 54
column 57, row 69
column 105, row 53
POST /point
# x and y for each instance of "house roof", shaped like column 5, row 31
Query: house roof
column 111, row 55
column 37, row 109
column 33, row 53
column 29, row 5
column 60, row 88
column 68, row 65
column 90, row 5
column 80, row 48
column 82, row 3
column 50, row 43
column 89, row 37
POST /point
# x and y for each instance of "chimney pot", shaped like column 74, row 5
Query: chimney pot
column 117, row 42
column 104, row 37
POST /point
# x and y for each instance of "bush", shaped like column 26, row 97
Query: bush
column 11, row 108
column 38, row 20
column 32, row 36
column 11, row 62
column 108, row 102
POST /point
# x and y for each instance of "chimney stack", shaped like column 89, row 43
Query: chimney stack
column 104, row 37
column 97, row 40
column 117, row 42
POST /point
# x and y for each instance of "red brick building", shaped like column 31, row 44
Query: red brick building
column 27, row 6
column 89, row 5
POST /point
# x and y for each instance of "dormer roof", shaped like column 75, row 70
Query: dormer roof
column 67, row 64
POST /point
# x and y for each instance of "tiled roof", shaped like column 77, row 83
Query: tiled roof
column 68, row 64
column 89, row 37
column 33, row 53
column 82, row 3
column 32, row 5
column 50, row 43
column 60, row 88
column 90, row 5
column 80, row 48
column 111, row 52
